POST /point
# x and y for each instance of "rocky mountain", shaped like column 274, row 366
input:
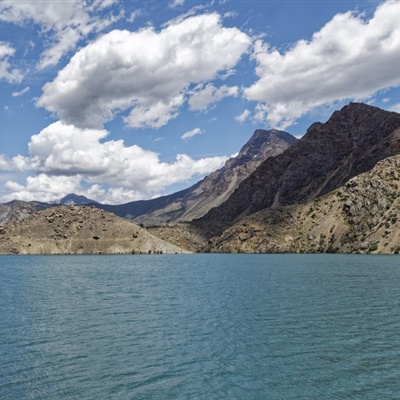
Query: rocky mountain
column 75, row 200
column 213, row 190
column 79, row 230
column 362, row 216
column 336, row 190
column 350, row 143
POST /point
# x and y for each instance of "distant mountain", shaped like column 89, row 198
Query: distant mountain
column 17, row 210
column 213, row 190
column 352, row 141
column 74, row 199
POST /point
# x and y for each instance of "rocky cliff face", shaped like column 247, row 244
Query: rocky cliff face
column 79, row 230
column 362, row 216
column 350, row 143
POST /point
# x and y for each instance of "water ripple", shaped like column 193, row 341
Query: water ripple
column 199, row 327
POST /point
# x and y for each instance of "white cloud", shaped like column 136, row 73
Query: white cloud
column 18, row 163
column 42, row 188
column 209, row 94
column 177, row 3
column 12, row 186
column 145, row 72
column 6, row 73
column 243, row 116
column 64, row 156
column 349, row 58
column 4, row 163
column 190, row 134
column 63, row 23
column 21, row 92
column 134, row 15
column 101, row 4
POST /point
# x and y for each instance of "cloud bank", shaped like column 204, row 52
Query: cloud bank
column 64, row 23
column 146, row 72
column 349, row 58
column 67, row 159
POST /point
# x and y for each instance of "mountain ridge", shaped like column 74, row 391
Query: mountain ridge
column 334, row 190
column 351, row 142
column 212, row 190
column 185, row 205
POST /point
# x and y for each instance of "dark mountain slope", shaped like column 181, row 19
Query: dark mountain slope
column 350, row 143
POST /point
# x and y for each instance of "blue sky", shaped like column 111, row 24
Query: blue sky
column 127, row 100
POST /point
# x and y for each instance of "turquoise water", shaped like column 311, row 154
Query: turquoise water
column 200, row 327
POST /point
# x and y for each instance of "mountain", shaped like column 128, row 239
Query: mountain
column 79, row 230
column 17, row 210
column 361, row 216
column 350, row 143
column 184, row 205
column 337, row 189
column 213, row 190
column 74, row 199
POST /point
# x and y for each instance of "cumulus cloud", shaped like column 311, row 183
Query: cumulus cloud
column 190, row 134
column 64, row 23
column 43, row 188
column 204, row 96
column 148, row 73
column 64, row 156
column 6, row 72
column 349, row 58
column 18, row 163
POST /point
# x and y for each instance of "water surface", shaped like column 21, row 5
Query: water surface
column 200, row 327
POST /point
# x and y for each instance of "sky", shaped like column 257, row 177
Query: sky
column 124, row 100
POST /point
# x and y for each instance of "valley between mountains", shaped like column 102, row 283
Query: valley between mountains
column 337, row 189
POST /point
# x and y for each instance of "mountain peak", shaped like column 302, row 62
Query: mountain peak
column 360, row 114
column 74, row 199
column 264, row 140
column 351, row 142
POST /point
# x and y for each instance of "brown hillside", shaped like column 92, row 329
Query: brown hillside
column 79, row 230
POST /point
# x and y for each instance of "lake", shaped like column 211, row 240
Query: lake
column 200, row 327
